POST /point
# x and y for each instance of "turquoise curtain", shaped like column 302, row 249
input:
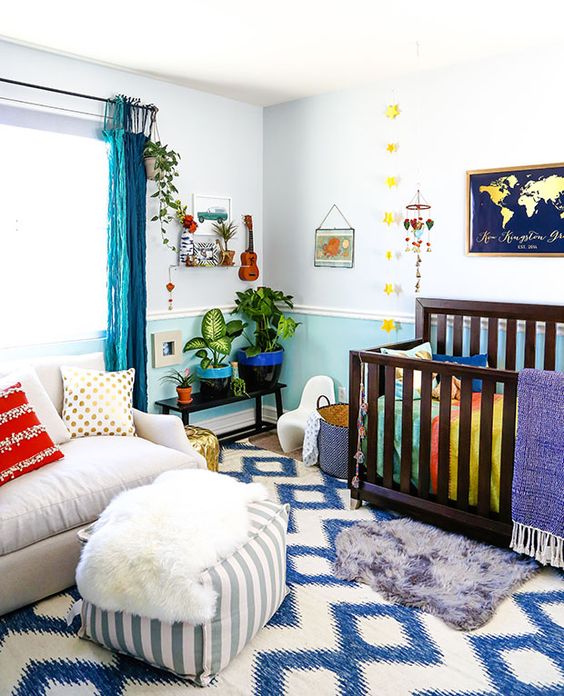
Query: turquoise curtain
column 126, row 129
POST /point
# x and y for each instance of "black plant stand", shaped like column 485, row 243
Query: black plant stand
column 200, row 404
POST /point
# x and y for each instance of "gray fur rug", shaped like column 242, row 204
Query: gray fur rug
column 450, row 576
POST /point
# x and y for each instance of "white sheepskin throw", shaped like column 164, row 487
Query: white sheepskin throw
column 151, row 544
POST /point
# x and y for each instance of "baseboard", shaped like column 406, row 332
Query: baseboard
column 241, row 419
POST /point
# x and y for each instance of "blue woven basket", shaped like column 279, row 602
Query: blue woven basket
column 333, row 441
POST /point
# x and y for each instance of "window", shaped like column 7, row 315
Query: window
column 53, row 209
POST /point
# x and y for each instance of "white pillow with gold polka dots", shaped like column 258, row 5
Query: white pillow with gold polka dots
column 98, row 403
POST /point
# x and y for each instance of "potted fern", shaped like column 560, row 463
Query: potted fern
column 213, row 348
column 260, row 362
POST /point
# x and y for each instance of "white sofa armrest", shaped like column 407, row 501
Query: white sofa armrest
column 167, row 431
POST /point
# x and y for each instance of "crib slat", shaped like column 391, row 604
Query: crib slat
column 549, row 345
column 372, row 449
column 530, row 343
column 444, row 439
column 425, row 433
column 441, row 333
column 510, row 343
column 389, row 426
column 464, row 434
column 406, row 431
column 485, row 449
column 492, row 341
column 475, row 331
column 507, row 449
column 457, row 334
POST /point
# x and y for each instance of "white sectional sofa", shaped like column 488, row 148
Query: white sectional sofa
column 40, row 512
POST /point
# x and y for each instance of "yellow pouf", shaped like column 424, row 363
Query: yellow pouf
column 206, row 443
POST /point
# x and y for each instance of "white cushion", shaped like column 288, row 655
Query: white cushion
column 48, row 370
column 39, row 399
column 98, row 403
column 73, row 491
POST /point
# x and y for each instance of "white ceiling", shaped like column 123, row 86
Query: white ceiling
column 270, row 51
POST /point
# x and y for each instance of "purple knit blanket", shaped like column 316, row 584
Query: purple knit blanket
column 538, row 477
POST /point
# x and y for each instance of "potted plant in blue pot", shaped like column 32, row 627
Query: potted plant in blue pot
column 213, row 347
column 260, row 363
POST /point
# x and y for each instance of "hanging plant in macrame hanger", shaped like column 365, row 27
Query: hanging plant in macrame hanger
column 417, row 223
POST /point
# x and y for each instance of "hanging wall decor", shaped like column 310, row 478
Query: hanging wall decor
column 390, row 288
column 388, row 325
column 417, row 224
column 170, row 287
column 516, row 211
column 209, row 209
column 334, row 246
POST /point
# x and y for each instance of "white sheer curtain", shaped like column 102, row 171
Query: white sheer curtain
column 53, row 207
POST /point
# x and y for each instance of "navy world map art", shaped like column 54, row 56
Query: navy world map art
column 517, row 211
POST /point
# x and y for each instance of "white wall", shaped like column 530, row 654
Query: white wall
column 331, row 148
column 220, row 141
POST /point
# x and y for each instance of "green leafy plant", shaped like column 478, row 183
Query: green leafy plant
column 214, row 345
column 238, row 386
column 181, row 379
column 225, row 231
column 271, row 324
column 166, row 163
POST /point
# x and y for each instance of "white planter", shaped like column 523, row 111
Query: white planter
column 150, row 167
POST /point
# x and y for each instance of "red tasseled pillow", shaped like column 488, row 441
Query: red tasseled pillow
column 24, row 442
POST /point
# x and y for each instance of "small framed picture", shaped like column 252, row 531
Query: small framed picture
column 334, row 248
column 166, row 348
column 209, row 209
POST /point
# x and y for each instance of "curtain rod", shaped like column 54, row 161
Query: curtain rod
column 150, row 107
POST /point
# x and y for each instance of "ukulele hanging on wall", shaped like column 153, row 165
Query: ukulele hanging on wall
column 249, row 269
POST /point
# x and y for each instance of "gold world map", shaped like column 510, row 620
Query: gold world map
column 504, row 190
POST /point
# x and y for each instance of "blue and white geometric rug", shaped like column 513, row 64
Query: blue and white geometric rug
column 328, row 638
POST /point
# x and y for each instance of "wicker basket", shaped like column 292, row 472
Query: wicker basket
column 333, row 442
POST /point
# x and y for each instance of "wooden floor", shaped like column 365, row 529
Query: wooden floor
column 269, row 441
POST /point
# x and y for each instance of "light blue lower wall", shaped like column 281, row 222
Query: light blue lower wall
column 189, row 326
column 322, row 344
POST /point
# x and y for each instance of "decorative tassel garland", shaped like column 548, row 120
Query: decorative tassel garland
column 361, row 431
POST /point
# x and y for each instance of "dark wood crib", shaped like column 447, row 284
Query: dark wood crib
column 513, row 336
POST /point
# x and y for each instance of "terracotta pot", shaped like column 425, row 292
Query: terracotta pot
column 184, row 395
column 227, row 259
column 150, row 167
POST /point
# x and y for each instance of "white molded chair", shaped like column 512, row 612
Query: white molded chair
column 291, row 425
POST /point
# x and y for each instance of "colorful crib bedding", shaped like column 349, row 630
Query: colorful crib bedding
column 453, row 467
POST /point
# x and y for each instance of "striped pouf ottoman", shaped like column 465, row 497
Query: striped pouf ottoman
column 250, row 584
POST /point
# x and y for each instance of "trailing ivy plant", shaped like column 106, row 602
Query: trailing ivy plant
column 214, row 345
column 271, row 324
column 166, row 163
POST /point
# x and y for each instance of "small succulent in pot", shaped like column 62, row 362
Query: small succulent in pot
column 184, row 381
column 225, row 231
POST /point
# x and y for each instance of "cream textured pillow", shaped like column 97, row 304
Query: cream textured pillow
column 98, row 403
